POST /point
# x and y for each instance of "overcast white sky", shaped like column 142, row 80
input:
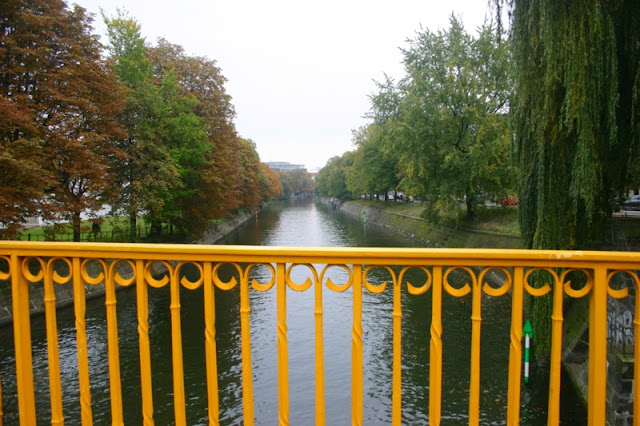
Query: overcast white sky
column 299, row 72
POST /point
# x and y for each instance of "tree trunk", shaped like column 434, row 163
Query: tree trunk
column 76, row 226
column 132, row 227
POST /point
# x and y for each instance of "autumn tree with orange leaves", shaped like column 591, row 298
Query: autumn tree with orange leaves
column 58, row 107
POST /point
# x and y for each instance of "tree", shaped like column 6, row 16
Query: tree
column 185, row 137
column 215, row 192
column 269, row 183
column 373, row 168
column 576, row 106
column 59, row 107
column 247, row 173
column 446, row 120
column 147, row 173
column 286, row 180
column 575, row 118
column 331, row 179
column 300, row 181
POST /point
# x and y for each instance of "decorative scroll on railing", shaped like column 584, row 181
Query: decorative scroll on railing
column 216, row 269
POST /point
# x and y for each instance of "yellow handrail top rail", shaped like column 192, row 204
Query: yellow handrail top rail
column 369, row 255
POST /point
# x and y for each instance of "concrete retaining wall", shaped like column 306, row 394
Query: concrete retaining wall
column 429, row 234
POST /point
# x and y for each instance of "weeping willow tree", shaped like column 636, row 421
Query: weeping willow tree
column 575, row 118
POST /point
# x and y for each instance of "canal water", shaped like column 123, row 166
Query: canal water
column 295, row 223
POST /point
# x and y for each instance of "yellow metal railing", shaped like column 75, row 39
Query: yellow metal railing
column 25, row 264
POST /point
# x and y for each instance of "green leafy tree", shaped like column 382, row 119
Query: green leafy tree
column 300, row 181
column 445, row 122
column 215, row 192
column 576, row 106
column 287, row 184
column 331, row 180
column 575, row 118
column 147, row 174
column 373, row 169
column 185, row 136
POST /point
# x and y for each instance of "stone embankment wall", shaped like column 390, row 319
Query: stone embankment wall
column 64, row 293
column 429, row 234
column 217, row 232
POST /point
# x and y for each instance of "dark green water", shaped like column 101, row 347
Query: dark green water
column 291, row 224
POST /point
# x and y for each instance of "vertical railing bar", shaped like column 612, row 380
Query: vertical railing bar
column 318, row 311
column 247, row 380
column 22, row 338
column 142, row 310
column 515, row 348
column 80, row 310
column 396, row 395
column 555, row 369
column 598, row 348
column 474, row 380
column 115, row 385
column 435, row 353
column 356, row 350
column 210, row 346
column 283, row 346
column 1, row 412
column 176, row 349
column 636, row 355
column 53, row 351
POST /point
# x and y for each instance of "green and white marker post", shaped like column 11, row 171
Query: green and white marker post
column 528, row 334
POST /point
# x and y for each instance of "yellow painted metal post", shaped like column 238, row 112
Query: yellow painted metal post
column 555, row 369
column 22, row 338
column 636, row 354
column 142, row 302
column 247, row 380
column 435, row 354
column 515, row 347
column 598, row 348
column 283, row 346
column 210, row 346
column 53, row 353
column 474, row 381
column 356, row 349
column 80, row 308
column 176, row 351
column 318, row 311
column 1, row 413
column 396, row 396
column 115, row 385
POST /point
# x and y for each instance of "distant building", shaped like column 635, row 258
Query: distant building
column 32, row 221
column 283, row 166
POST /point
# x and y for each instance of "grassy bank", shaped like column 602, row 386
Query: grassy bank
column 114, row 228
